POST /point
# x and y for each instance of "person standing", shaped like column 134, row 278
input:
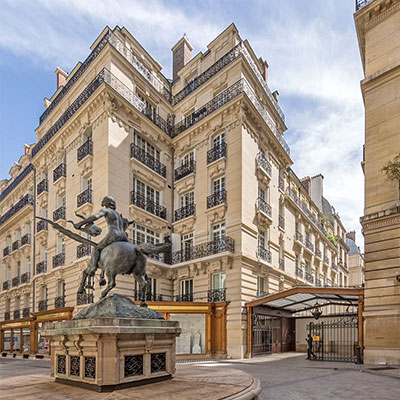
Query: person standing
column 310, row 353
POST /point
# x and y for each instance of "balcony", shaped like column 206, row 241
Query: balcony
column 216, row 198
column 361, row 3
column 41, row 267
column 17, row 314
column 16, row 281
column 58, row 260
column 84, row 197
column 334, row 267
column 148, row 205
column 185, row 170
column 6, row 251
column 7, row 316
column 41, row 226
column 318, row 282
column 216, row 246
column 59, row 213
column 185, row 212
column 84, row 298
column 25, row 277
column 43, row 186
column 264, row 207
column 138, row 296
column 326, row 260
column 281, row 222
column 6, row 285
column 264, row 164
column 26, row 239
column 299, row 272
column 85, row 150
column 216, row 153
column 281, row 264
column 264, row 254
column 26, row 200
column 83, row 250
column 26, row 312
column 318, row 253
column 59, row 302
column 281, row 184
column 216, row 295
column 309, row 277
column 299, row 237
column 16, row 245
column 148, row 160
column 184, row 298
column 42, row 306
column 309, row 245
column 60, row 171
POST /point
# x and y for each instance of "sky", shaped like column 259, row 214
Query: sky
column 310, row 45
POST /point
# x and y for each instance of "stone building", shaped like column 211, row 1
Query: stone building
column 200, row 160
column 356, row 261
column 377, row 24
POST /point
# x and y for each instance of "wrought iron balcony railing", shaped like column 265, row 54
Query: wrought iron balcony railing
column 217, row 152
column 84, row 197
column 26, row 312
column 282, row 264
column 84, row 298
column 361, row 3
column 318, row 253
column 264, row 207
column 299, row 272
column 58, row 260
column 185, row 169
column 42, row 306
column 26, row 200
column 16, row 245
column 318, row 282
column 148, row 205
column 281, row 184
column 185, row 211
column 16, row 281
column 264, row 164
column 216, row 295
column 261, row 293
column 59, row 302
column 26, row 239
column 216, row 198
column 340, row 261
column 282, row 222
column 7, row 316
column 41, row 267
column 83, row 250
column 326, row 260
column 6, row 285
column 43, row 186
column 85, row 150
column 59, row 213
column 17, row 314
column 299, row 237
column 148, row 160
column 309, row 277
column 41, row 226
column 309, row 245
column 6, row 251
column 205, row 249
column 264, row 254
column 16, row 181
column 138, row 296
column 334, row 267
column 60, row 171
column 184, row 298
column 25, row 277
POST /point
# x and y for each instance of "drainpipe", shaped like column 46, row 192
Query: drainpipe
column 172, row 190
column 33, row 238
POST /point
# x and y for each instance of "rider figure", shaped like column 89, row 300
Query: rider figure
column 116, row 229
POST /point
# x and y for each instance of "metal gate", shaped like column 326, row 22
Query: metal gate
column 261, row 335
column 335, row 340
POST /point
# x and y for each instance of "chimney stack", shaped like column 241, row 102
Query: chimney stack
column 351, row 235
column 181, row 55
column 276, row 95
column 264, row 67
column 61, row 77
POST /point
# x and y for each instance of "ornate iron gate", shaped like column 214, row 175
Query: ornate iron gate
column 261, row 335
column 335, row 340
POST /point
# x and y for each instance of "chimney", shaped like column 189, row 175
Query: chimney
column 317, row 190
column 181, row 54
column 61, row 77
column 351, row 235
column 276, row 95
column 307, row 183
column 264, row 67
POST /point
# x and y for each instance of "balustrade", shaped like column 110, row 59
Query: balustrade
column 60, row 171
column 58, row 260
column 43, row 186
column 185, row 169
column 185, row 212
column 216, row 295
column 148, row 160
column 217, row 152
column 85, row 150
column 59, row 213
column 216, row 198
column 148, row 205
column 84, row 197
column 264, row 254
column 263, row 206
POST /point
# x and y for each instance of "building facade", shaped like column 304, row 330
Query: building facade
column 356, row 261
column 377, row 24
column 200, row 160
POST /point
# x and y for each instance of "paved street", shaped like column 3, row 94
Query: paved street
column 283, row 377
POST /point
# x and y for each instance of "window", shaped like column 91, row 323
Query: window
column 87, row 135
column 19, row 269
column 187, row 242
column 261, row 193
column 218, row 231
column 60, row 245
column 27, row 264
column 145, row 191
column 261, row 239
column 218, row 185
column 218, row 280
column 61, row 288
column 144, row 145
column 186, row 199
column 151, row 287
column 187, row 158
column 86, row 183
column 187, row 287
column 18, row 235
column 218, row 140
column 142, row 234
column 8, row 273
column 43, row 254
column 43, row 292
column 61, row 200
column 260, row 286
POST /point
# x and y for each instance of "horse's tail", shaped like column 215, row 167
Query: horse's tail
column 149, row 248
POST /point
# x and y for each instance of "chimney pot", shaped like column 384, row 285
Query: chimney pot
column 276, row 95
column 61, row 77
column 181, row 55
column 351, row 235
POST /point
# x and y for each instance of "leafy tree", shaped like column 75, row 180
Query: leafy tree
column 392, row 169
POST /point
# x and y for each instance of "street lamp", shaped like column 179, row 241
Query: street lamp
column 316, row 312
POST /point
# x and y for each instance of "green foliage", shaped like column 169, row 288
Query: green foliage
column 324, row 220
column 332, row 238
column 392, row 169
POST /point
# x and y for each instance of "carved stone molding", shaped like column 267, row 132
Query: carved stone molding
column 185, row 226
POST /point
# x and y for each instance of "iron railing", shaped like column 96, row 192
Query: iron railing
column 41, row 226
column 83, row 250
column 282, row 222
column 309, row 277
column 16, row 181
column 309, row 245
column 26, row 239
column 334, row 267
column 281, row 184
column 299, row 237
column 16, row 281
column 43, row 186
column 264, row 254
column 215, row 246
column 184, row 212
column 282, row 264
column 42, row 306
column 84, row 298
column 318, row 282
column 58, row 260
column 361, row 3
column 6, row 251
column 17, row 314
column 138, row 296
column 216, row 199
column 148, row 160
column 318, row 253
column 59, row 213
column 185, row 169
column 60, row 171
column 217, row 152
column 26, row 312
column 16, row 245
column 148, row 205
column 263, row 206
column 326, row 260
column 216, row 295
column 184, row 298
column 41, row 267
column 299, row 272
column 59, row 302
column 85, row 150
column 84, row 197
column 7, row 316
column 26, row 200
column 25, row 277
column 6, row 285
column 264, row 164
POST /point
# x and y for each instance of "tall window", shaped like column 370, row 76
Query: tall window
column 262, row 240
column 151, row 287
column 60, row 245
column 43, row 254
column 218, row 140
column 187, row 158
column 61, row 200
column 27, row 264
column 218, row 185
column 186, row 199
column 187, row 242
column 86, row 183
column 8, row 273
column 262, row 193
column 218, row 280
column 142, row 234
column 19, row 269
column 260, row 286
column 146, row 191
column 146, row 146
column 61, row 288
column 218, row 231
column 187, row 288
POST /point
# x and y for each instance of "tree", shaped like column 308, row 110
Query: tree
column 392, row 169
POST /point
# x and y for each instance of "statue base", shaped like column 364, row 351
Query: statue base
column 105, row 354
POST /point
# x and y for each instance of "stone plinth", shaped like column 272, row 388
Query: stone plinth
column 105, row 354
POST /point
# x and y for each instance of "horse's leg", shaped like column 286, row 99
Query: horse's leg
column 111, row 284
column 102, row 280
column 85, row 274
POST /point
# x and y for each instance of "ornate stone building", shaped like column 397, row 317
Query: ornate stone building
column 200, row 160
column 377, row 23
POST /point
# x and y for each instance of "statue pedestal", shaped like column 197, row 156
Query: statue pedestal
column 106, row 354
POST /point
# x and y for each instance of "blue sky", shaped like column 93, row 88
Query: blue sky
column 310, row 45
